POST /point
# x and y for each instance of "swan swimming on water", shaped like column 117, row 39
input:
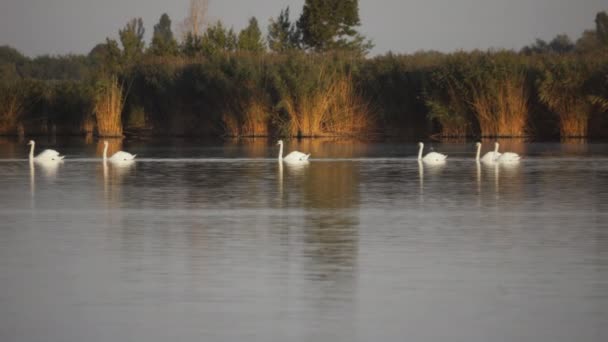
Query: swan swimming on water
column 292, row 157
column 119, row 156
column 489, row 157
column 431, row 157
column 507, row 157
column 44, row 156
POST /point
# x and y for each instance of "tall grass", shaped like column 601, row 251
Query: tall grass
column 499, row 94
column 561, row 87
column 16, row 100
column 446, row 101
column 490, row 87
column 107, row 106
column 12, row 103
column 316, row 96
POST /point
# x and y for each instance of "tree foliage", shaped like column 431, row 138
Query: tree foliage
column 132, row 40
column 250, row 38
column 283, row 35
column 330, row 25
column 559, row 44
column 601, row 27
column 106, row 57
column 163, row 42
column 216, row 40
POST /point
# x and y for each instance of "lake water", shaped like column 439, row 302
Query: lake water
column 202, row 241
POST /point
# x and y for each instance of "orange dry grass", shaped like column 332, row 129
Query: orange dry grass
column 108, row 107
column 513, row 109
column 504, row 113
column 246, row 118
column 336, row 110
column 573, row 124
column 255, row 119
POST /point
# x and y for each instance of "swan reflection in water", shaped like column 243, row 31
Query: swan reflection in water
column 48, row 167
column 113, row 174
column 499, row 170
column 433, row 168
column 295, row 169
column 49, row 170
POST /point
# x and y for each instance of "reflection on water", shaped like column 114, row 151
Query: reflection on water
column 363, row 243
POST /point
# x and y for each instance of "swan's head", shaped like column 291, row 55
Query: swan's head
column 280, row 142
column 420, row 144
column 105, row 143
column 496, row 144
column 477, row 144
column 31, row 142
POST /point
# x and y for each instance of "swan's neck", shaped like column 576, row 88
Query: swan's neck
column 105, row 153
column 495, row 149
column 478, row 152
column 32, row 151
column 280, row 151
column 420, row 151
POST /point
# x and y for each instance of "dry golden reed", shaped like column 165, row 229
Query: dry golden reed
column 108, row 107
column 503, row 112
column 336, row 110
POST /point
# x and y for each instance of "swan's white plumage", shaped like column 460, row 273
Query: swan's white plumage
column 119, row 156
column 122, row 156
column 507, row 157
column 292, row 157
column 489, row 157
column 44, row 156
column 434, row 157
column 431, row 157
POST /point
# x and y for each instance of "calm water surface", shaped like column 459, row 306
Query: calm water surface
column 219, row 242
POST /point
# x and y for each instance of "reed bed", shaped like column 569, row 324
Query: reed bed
column 562, row 87
column 10, row 114
column 334, row 109
column 107, row 106
column 16, row 98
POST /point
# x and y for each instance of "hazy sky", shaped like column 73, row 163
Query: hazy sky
column 75, row 26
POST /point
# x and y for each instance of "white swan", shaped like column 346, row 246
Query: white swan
column 507, row 156
column 431, row 157
column 117, row 157
column 294, row 156
column 44, row 156
column 489, row 157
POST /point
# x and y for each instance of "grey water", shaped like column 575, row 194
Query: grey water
column 217, row 241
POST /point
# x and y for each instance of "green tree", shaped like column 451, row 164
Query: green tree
column 250, row 38
column 132, row 39
column 330, row 25
column 539, row 46
column 561, row 44
column 163, row 42
column 282, row 34
column 192, row 45
column 11, row 63
column 106, row 57
column 588, row 41
column 218, row 39
column 601, row 27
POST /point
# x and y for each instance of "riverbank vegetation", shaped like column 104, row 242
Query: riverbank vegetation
column 306, row 78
